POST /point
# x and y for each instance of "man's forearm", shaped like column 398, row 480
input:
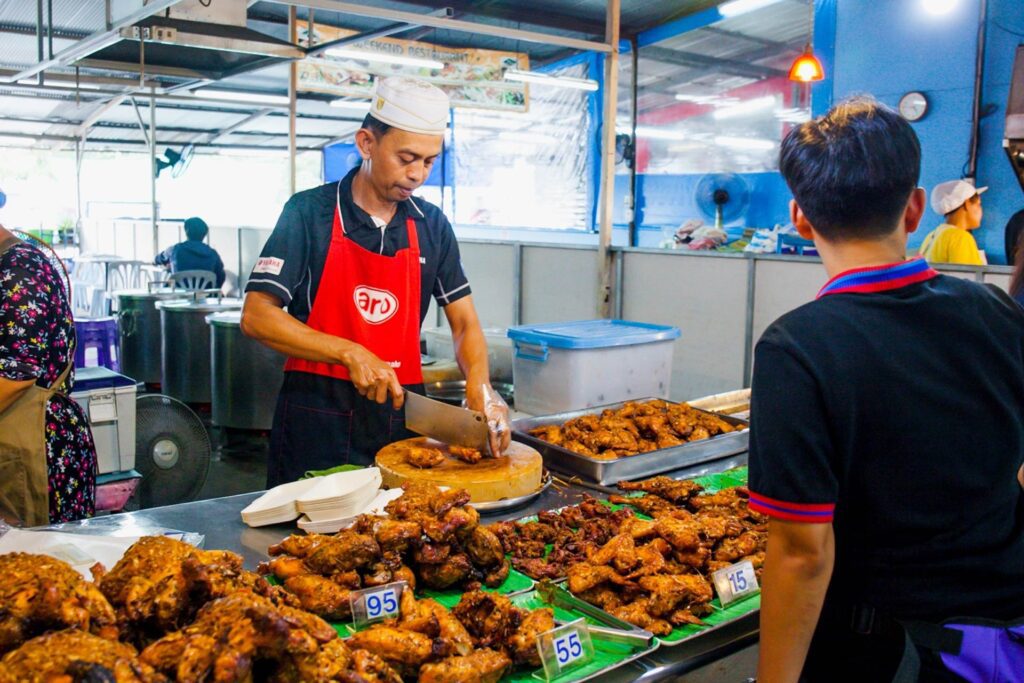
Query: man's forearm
column 471, row 355
column 793, row 590
column 274, row 327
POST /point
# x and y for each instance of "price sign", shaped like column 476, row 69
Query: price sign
column 735, row 582
column 374, row 604
column 564, row 648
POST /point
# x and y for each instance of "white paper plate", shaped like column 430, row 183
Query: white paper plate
column 340, row 488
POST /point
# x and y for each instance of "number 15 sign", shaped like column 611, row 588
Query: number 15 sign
column 735, row 582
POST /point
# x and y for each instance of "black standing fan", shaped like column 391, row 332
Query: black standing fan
column 176, row 161
column 172, row 451
column 723, row 197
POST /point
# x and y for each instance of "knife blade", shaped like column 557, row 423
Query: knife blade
column 446, row 423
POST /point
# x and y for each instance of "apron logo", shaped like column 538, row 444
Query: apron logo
column 375, row 305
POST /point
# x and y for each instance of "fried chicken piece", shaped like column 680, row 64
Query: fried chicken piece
column 550, row 433
column 235, row 635
column 482, row 666
column 732, row 549
column 284, row 567
column 424, row 458
column 395, row 535
column 735, row 498
column 298, row 545
column 346, row 551
column 395, row 645
column 450, row 572
column 406, row 574
column 321, row 596
column 523, row 643
column 431, row 553
column 377, row 574
column 490, row 618
column 672, row 490
column 636, row 613
column 583, row 576
column 649, row 504
column 638, row 529
column 39, row 593
column 469, row 455
column 696, row 559
column 651, row 559
column 371, row 668
column 715, row 527
column 484, row 548
column 496, row 575
column 450, row 630
column 603, row 596
column 416, row 615
column 681, row 535
column 73, row 655
column 538, row 568
column 620, row 552
column 683, row 617
column 446, row 500
column 669, row 591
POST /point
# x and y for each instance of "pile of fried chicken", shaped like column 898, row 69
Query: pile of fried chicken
column 633, row 429
column 425, row 457
column 430, row 538
column 653, row 573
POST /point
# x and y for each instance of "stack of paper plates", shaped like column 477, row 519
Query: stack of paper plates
column 343, row 494
column 278, row 505
column 330, row 526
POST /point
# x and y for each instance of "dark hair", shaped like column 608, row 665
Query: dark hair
column 376, row 126
column 852, row 170
column 196, row 228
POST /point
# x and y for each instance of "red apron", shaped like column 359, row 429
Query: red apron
column 370, row 299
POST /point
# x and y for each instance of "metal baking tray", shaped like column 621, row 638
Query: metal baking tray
column 635, row 466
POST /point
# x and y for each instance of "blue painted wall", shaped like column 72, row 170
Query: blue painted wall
column 889, row 47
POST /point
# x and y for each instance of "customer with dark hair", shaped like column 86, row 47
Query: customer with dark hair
column 193, row 253
column 887, row 459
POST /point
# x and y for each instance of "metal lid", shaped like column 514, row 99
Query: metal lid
column 225, row 319
column 213, row 305
column 145, row 295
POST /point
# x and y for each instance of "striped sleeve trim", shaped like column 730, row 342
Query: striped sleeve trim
column 814, row 513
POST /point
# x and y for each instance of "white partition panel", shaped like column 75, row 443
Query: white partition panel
column 1000, row 280
column 706, row 297
column 962, row 274
column 492, row 276
column 250, row 244
column 559, row 284
column 780, row 286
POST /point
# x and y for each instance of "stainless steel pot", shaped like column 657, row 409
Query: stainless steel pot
column 185, row 346
column 138, row 325
column 246, row 376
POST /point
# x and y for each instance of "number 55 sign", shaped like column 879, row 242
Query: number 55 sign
column 735, row 582
column 564, row 648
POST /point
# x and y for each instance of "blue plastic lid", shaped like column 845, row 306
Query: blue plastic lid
column 90, row 378
column 593, row 334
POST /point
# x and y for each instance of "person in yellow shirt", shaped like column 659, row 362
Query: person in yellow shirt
column 952, row 242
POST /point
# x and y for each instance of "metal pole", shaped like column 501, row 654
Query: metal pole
column 152, row 169
column 605, row 196
column 78, row 191
column 39, row 34
column 634, row 229
column 293, row 80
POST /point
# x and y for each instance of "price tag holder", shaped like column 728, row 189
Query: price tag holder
column 735, row 582
column 378, row 603
column 563, row 649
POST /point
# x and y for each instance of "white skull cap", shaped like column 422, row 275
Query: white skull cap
column 411, row 104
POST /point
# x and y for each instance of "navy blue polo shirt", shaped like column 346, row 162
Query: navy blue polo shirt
column 192, row 255
column 292, row 261
column 893, row 407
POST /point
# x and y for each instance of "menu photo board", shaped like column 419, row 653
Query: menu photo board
column 472, row 78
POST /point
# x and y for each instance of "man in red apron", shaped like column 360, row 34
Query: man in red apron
column 355, row 263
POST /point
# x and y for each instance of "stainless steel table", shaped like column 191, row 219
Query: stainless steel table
column 219, row 520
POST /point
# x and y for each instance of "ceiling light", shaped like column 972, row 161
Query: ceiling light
column 744, row 143
column 806, row 68
column 362, row 105
column 402, row 60
column 738, row 7
column 745, row 108
column 937, row 8
column 546, row 79
column 239, row 96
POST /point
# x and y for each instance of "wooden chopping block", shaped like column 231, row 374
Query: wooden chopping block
column 517, row 473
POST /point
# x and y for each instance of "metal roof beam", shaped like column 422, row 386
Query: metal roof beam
column 235, row 126
column 94, row 42
column 445, row 12
column 452, row 24
column 547, row 18
column 730, row 66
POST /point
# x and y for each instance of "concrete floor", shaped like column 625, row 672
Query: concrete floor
column 238, row 465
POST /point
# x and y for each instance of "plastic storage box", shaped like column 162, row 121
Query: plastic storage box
column 560, row 367
column 109, row 401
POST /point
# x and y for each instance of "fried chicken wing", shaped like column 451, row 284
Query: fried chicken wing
column 584, row 576
column 450, row 630
column 523, row 642
column 470, row 455
column 681, row 535
column 649, row 504
column 424, row 458
column 482, row 666
column 450, row 572
column 73, row 655
column 637, row 613
column 344, row 552
column 395, row 645
column 39, row 593
column 284, row 567
column 371, row 668
column 298, row 545
column 321, row 596
column 732, row 549
column 490, row 618
column 484, row 548
column 672, row 490
column 669, row 591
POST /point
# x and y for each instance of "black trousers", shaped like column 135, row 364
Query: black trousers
column 322, row 422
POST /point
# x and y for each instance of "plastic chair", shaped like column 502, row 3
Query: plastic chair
column 98, row 343
column 192, row 280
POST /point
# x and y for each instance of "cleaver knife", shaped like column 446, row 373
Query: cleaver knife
column 446, row 423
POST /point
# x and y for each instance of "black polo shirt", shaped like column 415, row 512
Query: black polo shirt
column 292, row 261
column 898, row 415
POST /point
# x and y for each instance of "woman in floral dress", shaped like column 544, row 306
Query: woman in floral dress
column 37, row 341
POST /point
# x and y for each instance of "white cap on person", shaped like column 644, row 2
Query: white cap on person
column 411, row 105
column 949, row 196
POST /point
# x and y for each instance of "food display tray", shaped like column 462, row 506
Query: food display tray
column 606, row 472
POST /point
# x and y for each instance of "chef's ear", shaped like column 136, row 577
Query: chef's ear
column 365, row 140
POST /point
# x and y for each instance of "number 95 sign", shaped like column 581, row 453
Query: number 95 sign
column 375, row 604
column 565, row 648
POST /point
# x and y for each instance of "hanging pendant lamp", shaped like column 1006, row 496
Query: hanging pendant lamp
column 807, row 67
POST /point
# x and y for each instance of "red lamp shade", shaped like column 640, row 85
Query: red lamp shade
column 806, row 68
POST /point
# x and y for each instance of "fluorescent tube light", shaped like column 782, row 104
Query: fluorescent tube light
column 545, row 79
column 402, row 60
column 362, row 105
column 738, row 7
column 238, row 96
column 744, row 108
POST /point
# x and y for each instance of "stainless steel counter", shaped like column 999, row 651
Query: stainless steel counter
column 219, row 520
